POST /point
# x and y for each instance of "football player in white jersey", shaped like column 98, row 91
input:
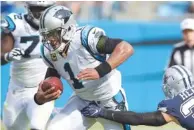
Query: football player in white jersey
column 20, row 45
column 87, row 59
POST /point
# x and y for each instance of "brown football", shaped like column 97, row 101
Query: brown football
column 52, row 81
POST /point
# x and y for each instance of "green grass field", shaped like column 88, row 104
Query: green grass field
column 170, row 126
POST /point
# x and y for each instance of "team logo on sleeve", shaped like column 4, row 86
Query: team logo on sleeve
column 53, row 56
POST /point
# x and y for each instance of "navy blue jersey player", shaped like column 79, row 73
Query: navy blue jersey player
column 178, row 106
column 181, row 107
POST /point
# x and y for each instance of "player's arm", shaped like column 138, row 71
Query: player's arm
column 42, row 97
column 168, row 118
column 100, row 45
column 7, row 44
column 119, row 49
column 8, row 52
column 156, row 118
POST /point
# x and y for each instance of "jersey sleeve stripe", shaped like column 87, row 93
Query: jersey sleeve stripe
column 84, row 40
column 43, row 55
column 84, row 36
column 11, row 25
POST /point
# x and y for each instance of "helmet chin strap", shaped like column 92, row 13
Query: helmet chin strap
column 62, row 50
column 65, row 45
column 62, row 46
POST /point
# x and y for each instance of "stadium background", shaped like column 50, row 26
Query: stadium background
column 151, row 27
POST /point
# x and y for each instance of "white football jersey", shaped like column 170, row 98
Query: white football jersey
column 82, row 54
column 29, row 71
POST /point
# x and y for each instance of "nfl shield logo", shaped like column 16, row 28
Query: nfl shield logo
column 53, row 56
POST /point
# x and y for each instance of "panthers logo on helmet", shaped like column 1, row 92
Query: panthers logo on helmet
column 61, row 14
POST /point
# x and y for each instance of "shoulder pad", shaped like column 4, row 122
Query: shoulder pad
column 85, row 32
column 86, row 38
column 8, row 24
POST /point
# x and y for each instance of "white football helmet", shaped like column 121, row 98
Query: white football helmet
column 58, row 27
column 176, row 80
column 35, row 9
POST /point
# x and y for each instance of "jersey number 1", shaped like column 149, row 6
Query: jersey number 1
column 34, row 40
column 76, row 83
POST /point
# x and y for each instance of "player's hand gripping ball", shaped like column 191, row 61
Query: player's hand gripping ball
column 52, row 82
column 49, row 89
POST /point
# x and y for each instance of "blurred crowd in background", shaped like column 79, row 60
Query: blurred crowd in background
column 117, row 10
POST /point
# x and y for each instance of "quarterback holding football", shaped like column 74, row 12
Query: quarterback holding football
column 87, row 59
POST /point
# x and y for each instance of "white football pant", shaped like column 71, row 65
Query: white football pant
column 70, row 117
column 20, row 112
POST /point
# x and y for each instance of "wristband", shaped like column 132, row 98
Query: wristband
column 103, row 69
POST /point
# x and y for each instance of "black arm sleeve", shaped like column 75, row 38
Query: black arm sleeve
column 132, row 118
column 52, row 73
column 106, row 45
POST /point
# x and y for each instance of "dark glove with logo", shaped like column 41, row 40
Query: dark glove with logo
column 93, row 111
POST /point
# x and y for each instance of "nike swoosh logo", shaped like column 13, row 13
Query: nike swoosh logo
column 96, row 111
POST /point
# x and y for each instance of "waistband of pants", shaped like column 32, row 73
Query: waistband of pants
column 15, row 86
column 118, row 98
